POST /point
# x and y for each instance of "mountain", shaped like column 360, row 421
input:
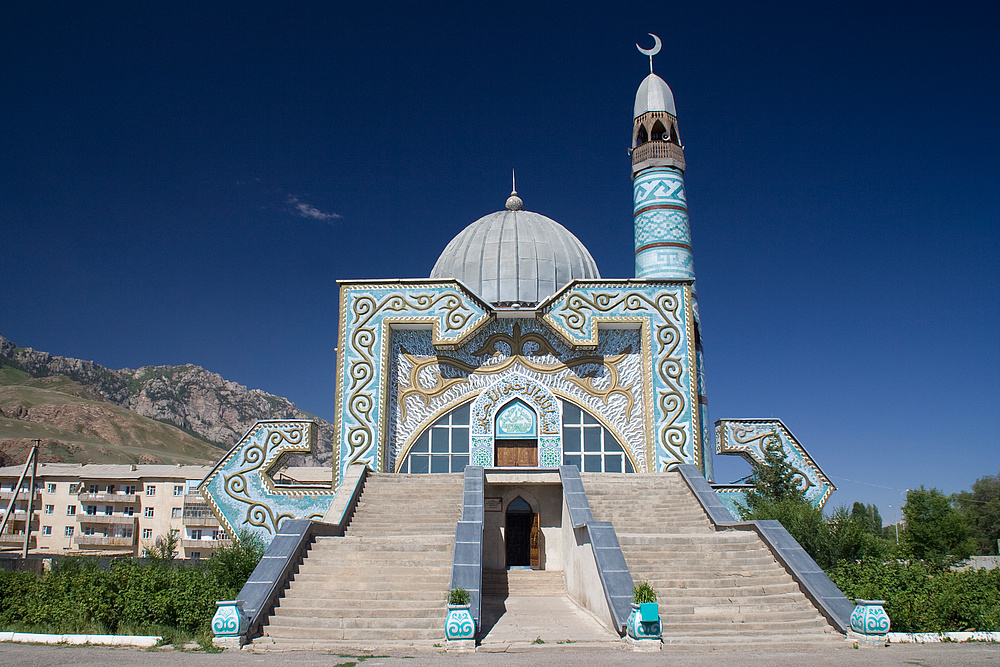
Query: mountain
column 77, row 406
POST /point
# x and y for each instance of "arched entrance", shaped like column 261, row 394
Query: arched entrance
column 522, row 535
column 516, row 436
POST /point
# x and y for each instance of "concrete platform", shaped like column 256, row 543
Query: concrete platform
column 518, row 621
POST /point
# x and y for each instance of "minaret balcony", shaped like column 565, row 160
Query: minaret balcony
column 661, row 151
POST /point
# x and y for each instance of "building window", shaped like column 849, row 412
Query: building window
column 68, row 532
column 91, row 510
column 111, row 488
column 149, row 511
column 50, row 488
column 588, row 445
column 88, row 530
column 178, row 490
column 70, row 510
column 176, row 512
column 46, row 530
column 196, row 534
column 129, row 490
column 195, row 555
column 150, row 489
column 444, row 447
column 125, row 531
column 49, row 509
column 92, row 488
column 147, row 533
column 128, row 511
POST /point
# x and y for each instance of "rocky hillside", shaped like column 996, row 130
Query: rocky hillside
column 191, row 398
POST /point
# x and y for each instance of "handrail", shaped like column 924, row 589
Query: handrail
column 286, row 551
column 467, row 562
column 817, row 586
column 611, row 566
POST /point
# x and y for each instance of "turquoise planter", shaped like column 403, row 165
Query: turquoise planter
column 870, row 619
column 459, row 624
column 229, row 619
column 644, row 621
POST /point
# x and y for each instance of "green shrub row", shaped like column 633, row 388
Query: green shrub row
column 919, row 598
column 130, row 597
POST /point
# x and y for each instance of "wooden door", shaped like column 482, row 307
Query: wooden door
column 536, row 543
column 513, row 453
column 517, row 535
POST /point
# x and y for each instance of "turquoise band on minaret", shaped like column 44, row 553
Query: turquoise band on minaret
column 662, row 232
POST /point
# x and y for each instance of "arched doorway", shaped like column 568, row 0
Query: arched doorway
column 516, row 436
column 522, row 535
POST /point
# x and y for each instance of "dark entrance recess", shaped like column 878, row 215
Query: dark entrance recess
column 517, row 453
column 519, row 523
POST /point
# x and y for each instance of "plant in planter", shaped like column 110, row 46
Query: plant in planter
column 459, row 623
column 644, row 621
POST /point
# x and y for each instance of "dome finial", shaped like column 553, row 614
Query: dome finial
column 651, row 52
column 514, row 202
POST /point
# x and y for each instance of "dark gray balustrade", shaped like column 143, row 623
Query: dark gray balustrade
column 467, row 562
column 818, row 587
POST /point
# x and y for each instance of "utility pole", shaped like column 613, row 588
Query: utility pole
column 33, row 457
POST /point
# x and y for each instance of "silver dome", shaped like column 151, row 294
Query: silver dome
column 515, row 256
column 654, row 95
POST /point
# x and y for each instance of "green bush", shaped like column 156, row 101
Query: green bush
column 130, row 597
column 458, row 596
column 920, row 598
column 643, row 592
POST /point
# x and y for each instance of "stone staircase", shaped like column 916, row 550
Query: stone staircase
column 386, row 580
column 713, row 587
column 518, row 583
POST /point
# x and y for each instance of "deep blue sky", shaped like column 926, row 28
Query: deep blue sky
column 185, row 182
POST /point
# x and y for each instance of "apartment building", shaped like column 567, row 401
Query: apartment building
column 109, row 508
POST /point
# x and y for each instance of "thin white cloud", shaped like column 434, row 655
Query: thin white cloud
column 305, row 210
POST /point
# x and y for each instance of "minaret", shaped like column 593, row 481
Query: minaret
column 662, row 234
column 662, row 231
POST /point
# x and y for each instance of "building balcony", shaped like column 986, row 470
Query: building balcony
column 107, row 519
column 16, row 540
column 193, row 499
column 22, row 495
column 206, row 544
column 102, row 541
column 108, row 497
column 201, row 520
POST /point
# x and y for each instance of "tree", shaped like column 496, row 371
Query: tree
column 776, row 494
column 981, row 508
column 935, row 531
column 164, row 549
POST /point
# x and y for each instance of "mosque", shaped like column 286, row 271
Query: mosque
column 516, row 363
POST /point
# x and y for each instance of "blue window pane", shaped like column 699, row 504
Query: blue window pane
column 439, row 440
column 587, row 419
column 591, row 439
column 460, row 416
column 458, row 463
column 571, row 439
column 628, row 465
column 440, row 464
column 420, row 447
column 610, row 444
column 612, row 463
column 419, row 464
column 571, row 414
column 405, row 468
column 459, row 440
column 572, row 461
column 592, row 463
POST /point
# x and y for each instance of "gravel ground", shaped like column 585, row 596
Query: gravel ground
column 904, row 655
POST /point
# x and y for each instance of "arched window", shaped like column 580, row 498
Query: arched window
column 659, row 132
column 642, row 137
column 588, row 445
column 444, row 447
column 673, row 135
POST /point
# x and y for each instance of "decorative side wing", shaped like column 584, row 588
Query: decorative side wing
column 751, row 438
column 241, row 491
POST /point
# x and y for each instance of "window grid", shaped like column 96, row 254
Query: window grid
column 444, row 447
column 588, row 445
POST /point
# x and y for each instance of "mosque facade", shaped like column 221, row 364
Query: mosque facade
column 516, row 353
